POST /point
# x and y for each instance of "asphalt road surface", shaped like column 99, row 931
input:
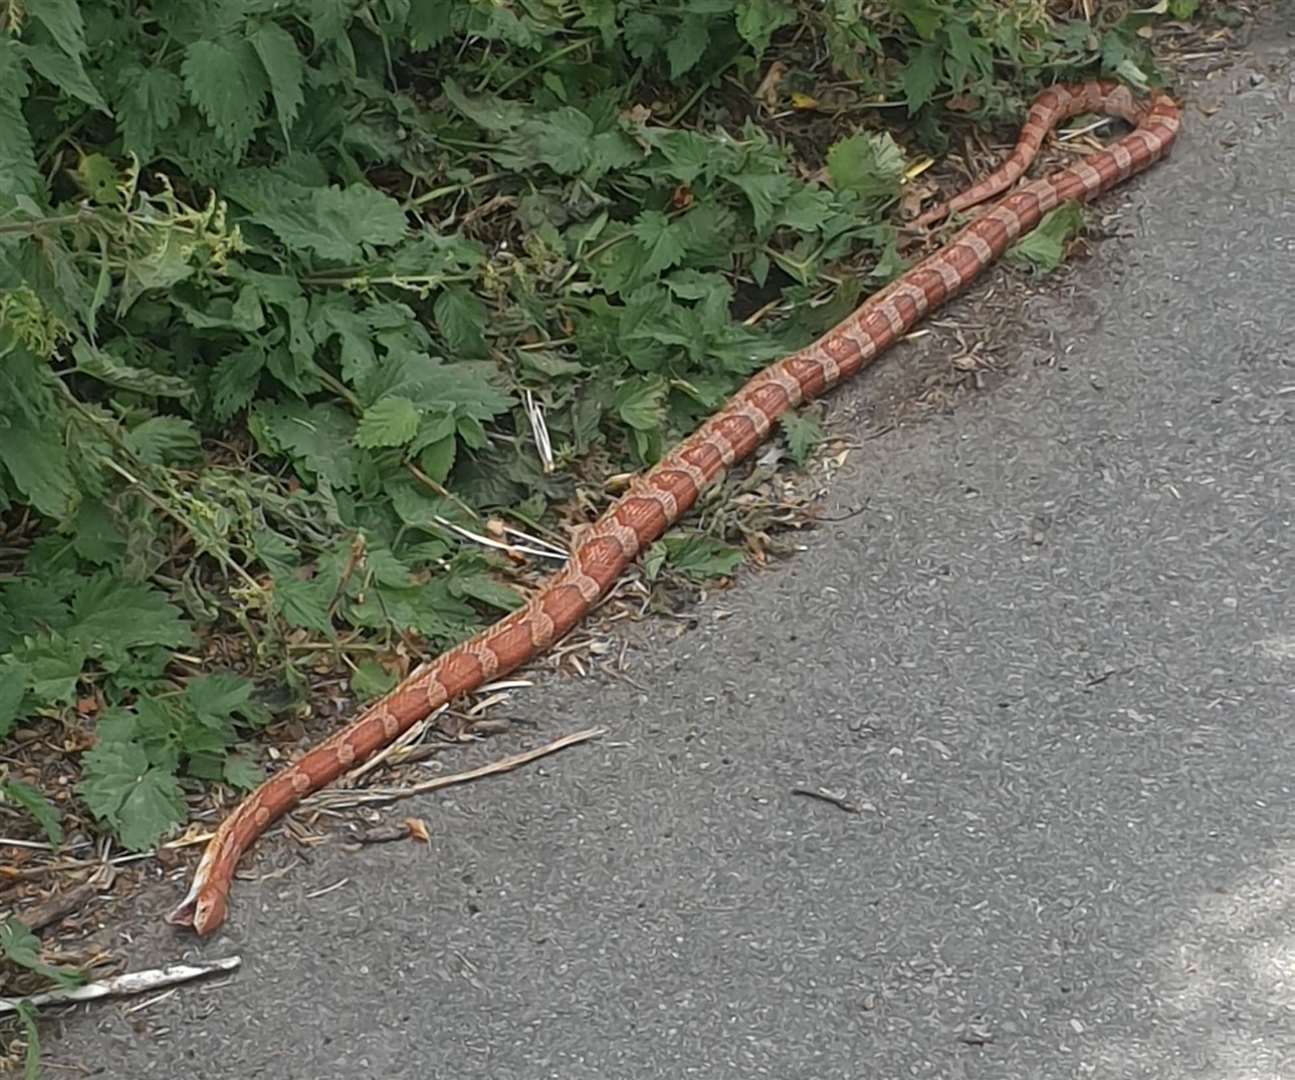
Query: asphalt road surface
column 1050, row 666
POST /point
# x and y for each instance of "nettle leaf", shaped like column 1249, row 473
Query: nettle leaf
column 687, row 45
column 758, row 19
column 870, row 164
column 235, row 379
column 18, row 172
column 37, row 463
column 316, row 437
column 62, row 18
column 393, row 421
column 765, row 192
column 148, row 103
column 803, row 433
column 284, row 67
column 336, row 223
column 228, row 84
column 461, row 319
column 640, row 403
column 20, row 946
column 1045, row 247
column 111, row 616
column 303, row 603
column 488, row 112
column 13, row 688
column 164, row 440
column 701, row 557
column 485, row 588
column 370, row 680
column 53, row 665
column 664, row 242
column 242, row 772
column 140, row 801
column 67, row 73
column 40, row 808
column 921, row 76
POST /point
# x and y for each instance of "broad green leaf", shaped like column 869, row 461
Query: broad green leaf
column 1044, row 247
column 164, row 440
column 242, row 772
column 37, row 464
column 870, row 164
column 13, row 688
column 66, row 73
column 149, row 103
column 758, row 19
column 485, row 588
column 640, row 403
column 40, row 808
column 285, row 69
column 336, row 223
column 235, row 379
column 111, row 615
column 139, row 800
column 437, row 459
column 687, row 45
column 803, row 433
column 461, row 319
column 370, row 680
column 18, row 172
column 664, row 242
column 227, row 83
column 20, row 946
column 921, row 76
column 303, row 603
column 701, row 557
column 393, row 421
column 62, row 18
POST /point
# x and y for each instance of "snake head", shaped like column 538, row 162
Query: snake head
column 202, row 910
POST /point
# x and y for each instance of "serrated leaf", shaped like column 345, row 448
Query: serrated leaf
column 219, row 695
column 701, row 557
column 241, row 771
column 393, row 421
column 921, row 76
column 40, row 808
column 437, row 459
column 108, row 368
column 235, row 379
column 20, row 946
column 139, row 800
column 53, row 667
column 371, row 680
column 318, row 438
column 13, row 688
column 164, row 440
column 488, row 112
column 664, row 242
column 803, row 433
column 227, row 83
column 1045, row 246
column 485, row 588
column 765, row 192
column 871, row 165
column 18, row 172
column 67, row 73
column 461, row 319
column 336, row 223
column 111, row 615
column 687, row 45
column 37, row 464
column 148, row 104
column 285, row 69
column 758, row 19
column 640, row 403
column 303, row 603
column 95, row 535
column 62, row 18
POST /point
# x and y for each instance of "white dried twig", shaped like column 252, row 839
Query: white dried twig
column 133, row 982
column 335, row 798
column 539, row 429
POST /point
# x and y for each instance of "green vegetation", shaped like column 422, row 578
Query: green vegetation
column 282, row 288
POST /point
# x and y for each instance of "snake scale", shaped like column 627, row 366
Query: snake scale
column 662, row 495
